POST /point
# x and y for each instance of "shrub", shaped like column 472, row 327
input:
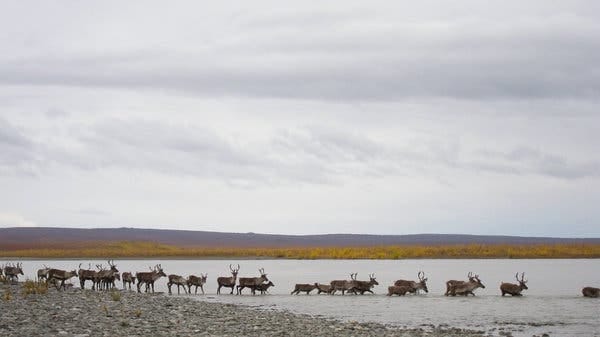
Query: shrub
column 32, row 288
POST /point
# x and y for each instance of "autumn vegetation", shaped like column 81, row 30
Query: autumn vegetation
column 134, row 249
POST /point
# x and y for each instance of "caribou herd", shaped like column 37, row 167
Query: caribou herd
column 104, row 278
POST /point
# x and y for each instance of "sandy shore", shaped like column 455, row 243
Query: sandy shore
column 89, row 313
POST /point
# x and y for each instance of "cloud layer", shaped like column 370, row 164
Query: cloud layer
column 338, row 117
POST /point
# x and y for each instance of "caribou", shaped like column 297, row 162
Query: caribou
column 127, row 278
column 228, row 282
column 12, row 271
column 87, row 274
column 177, row 280
column 343, row 285
column 193, row 280
column 302, row 287
column 399, row 290
column 323, row 288
column 463, row 288
column 43, row 273
column 107, row 277
column 514, row 289
column 414, row 286
column 60, row 275
column 364, row 286
column 264, row 287
column 148, row 278
column 252, row 282
column 591, row 292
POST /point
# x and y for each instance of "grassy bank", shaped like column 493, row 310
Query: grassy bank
column 130, row 249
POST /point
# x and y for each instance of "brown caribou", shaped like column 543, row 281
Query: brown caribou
column 264, row 287
column 414, row 286
column 514, row 289
column 148, row 278
column 228, row 282
column 13, row 271
column 303, row 287
column 252, row 282
column 343, row 285
column 85, row 275
column 60, row 275
column 43, row 273
column 107, row 276
column 128, row 279
column 464, row 288
column 399, row 290
column 591, row 292
column 323, row 288
column 194, row 280
column 177, row 280
column 364, row 286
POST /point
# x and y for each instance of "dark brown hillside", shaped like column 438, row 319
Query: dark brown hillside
column 40, row 237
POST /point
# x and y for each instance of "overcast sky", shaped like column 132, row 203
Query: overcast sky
column 394, row 117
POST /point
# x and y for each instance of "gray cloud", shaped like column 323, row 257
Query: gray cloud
column 301, row 155
column 375, row 56
column 18, row 153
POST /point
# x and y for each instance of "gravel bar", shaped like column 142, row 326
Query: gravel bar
column 77, row 312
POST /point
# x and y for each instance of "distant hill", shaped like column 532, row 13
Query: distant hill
column 39, row 237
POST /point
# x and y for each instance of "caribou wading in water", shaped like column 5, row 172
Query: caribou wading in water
column 591, row 292
column 323, row 288
column 193, row 280
column 399, row 290
column 264, row 287
column 148, row 278
column 228, row 282
column 464, row 288
column 364, row 286
column 514, row 289
column 343, row 285
column 252, row 282
column 414, row 286
column 303, row 287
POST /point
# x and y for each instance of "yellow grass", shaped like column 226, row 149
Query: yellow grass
column 128, row 249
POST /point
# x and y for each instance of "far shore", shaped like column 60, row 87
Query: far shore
column 143, row 250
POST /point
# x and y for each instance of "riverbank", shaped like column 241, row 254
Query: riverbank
column 154, row 250
column 124, row 313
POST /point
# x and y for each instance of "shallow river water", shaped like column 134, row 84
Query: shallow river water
column 553, row 304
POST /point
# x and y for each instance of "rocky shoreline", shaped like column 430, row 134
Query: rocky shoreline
column 125, row 313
